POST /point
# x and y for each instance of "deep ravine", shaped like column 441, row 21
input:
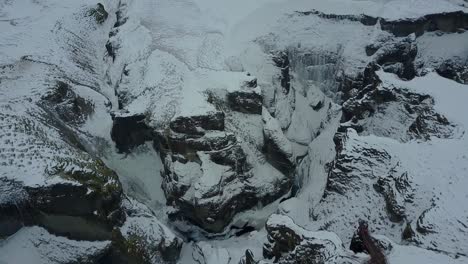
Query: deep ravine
column 202, row 131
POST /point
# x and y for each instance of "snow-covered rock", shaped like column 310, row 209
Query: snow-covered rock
column 216, row 114
column 289, row 243
column 35, row 245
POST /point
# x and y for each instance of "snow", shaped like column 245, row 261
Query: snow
column 35, row 245
column 140, row 174
column 434, row 48
column 273, row 131
column 388, row 9
column 436, row 170
column 170, row 54
column 223, row 251
column 449, row 95
column 412, row 254
column 35, row 52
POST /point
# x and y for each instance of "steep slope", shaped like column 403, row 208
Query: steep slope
column 203, row 131
column 55, row 128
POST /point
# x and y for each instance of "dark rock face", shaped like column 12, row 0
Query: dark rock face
column 454, row 70
column 281, row 60
column 363, row 242
column 99, row 13
column 213, row 209
column 206, row 172
column 129, row 132
column 245, row 102
column 248, row 258
column 369, row 164
column 197, row 124
column 277, row 157
column 289, row 243
column 142, row 239
column 429, row 124
column 414, row 112
column 67, row 105
column 364, row 19
column 14, row 207
column 186, row 148
column 446, row 22
column 188, row 144
column 396, row 191
column 398, row 57
column 344, row 176
column 95, row 210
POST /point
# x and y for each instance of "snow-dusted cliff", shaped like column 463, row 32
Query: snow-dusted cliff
column 203, row 131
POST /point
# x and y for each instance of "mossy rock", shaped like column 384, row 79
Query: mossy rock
column 131, row 250
column 92, row 173
column 99, row 13
column 67, row 105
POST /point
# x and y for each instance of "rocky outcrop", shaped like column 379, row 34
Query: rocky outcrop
column 289, row 243
column 396, row 190
column 445, row 22
column 413, row 113
column 94, row 191
column 364, row 242
column 364, row 19
column 198, row 124
column 397, row 56
column 129, row 132
column 281, row 61
column 142, row 239
column 455, row 70
column 208, row 175
column 277, row 148
column 344, row 174
column 248, row 258
column 207, row 185
column 14, row 207
column 206, row 172
column 66, row 105
column 35, row 244
column 245, row 102
column 99, row 13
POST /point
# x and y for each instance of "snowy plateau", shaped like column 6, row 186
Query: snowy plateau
column 234, row 131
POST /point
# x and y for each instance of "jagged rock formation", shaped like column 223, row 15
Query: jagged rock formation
column 289, row 243
column 304, row 115
column 445, row 22
column 59, row 200
column 395, row 113
column 219, row 157
column 142, row 239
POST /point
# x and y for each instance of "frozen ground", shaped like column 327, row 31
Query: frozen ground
column 177, row 51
